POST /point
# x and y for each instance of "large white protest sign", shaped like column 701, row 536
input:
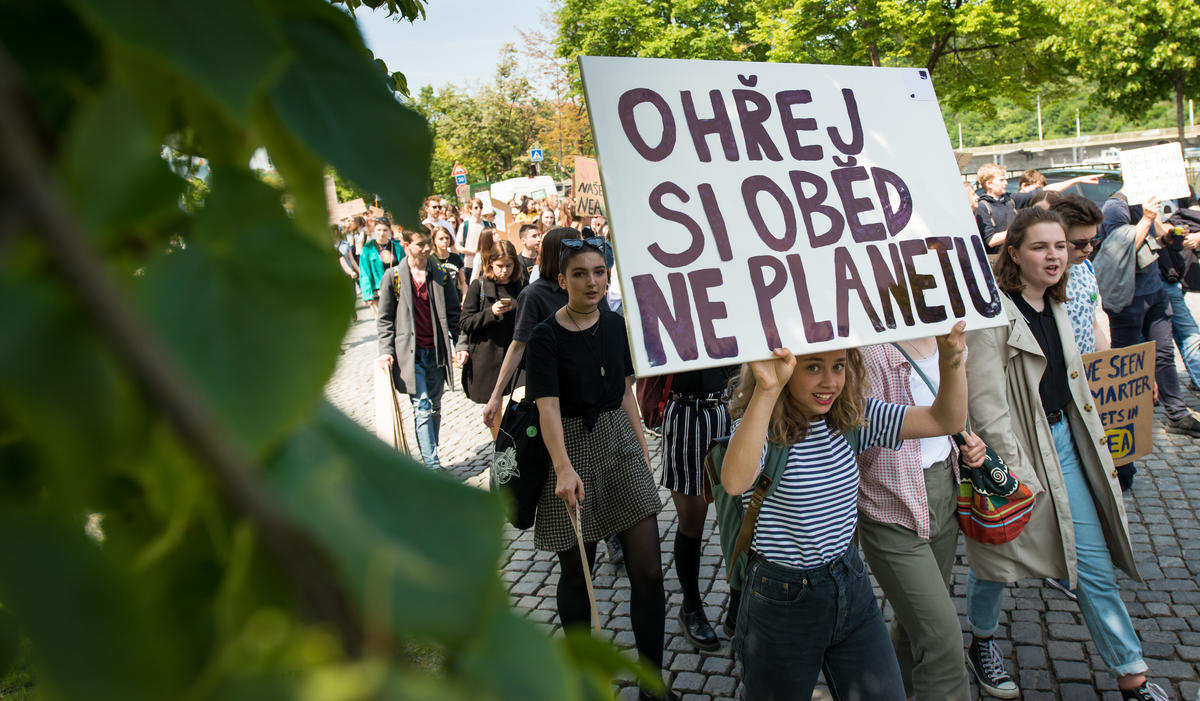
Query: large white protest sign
column 1154, row 171
column 756, row 206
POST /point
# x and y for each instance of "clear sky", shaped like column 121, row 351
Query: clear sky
column 458, row 41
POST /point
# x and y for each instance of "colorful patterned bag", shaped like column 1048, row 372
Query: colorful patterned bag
column 993, row 505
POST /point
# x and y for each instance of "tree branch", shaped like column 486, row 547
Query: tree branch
column 935, row 53
column 303, row 563
column 985, row 47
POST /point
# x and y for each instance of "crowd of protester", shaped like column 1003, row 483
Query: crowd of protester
column 541, row 315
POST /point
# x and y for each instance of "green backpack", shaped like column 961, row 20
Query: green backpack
column 736, row 522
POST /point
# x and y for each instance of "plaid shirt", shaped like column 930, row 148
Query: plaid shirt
column 892, row 484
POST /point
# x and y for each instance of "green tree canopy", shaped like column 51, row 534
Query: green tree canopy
column 976, row 51
column 1136, row 53
column 489, row 132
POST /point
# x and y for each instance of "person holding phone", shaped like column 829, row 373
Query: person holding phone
column 487, row 323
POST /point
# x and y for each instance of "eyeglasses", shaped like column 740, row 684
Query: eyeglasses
column 381, row 220
column 594, row 242
column 1080, row 245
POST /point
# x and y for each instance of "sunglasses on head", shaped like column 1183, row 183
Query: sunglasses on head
column 1080, row 245
column 594, row 242
column 381, row 220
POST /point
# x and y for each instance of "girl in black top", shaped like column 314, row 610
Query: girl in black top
column 581, row 375
column 487, row 323
column 538, row 300
column 443, row 242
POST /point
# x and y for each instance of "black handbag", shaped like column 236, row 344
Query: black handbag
column 520, row 462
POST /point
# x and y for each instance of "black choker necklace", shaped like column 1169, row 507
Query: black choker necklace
column 590, row 332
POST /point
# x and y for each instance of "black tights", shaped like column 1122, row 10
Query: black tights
column 692, row 511
column 647, row 605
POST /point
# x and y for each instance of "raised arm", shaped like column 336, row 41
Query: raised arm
column 948, row 415
column 1093, row 179
column 743, row 459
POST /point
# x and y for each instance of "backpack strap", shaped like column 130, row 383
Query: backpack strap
column 773, row 465
column 853, row 436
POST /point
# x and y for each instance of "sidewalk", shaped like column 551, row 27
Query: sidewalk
column 1042, row 632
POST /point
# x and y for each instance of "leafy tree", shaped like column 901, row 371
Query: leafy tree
column 163, row 367
column 1136, row 53
column 975, row 50
column 489, row 133
column 563, row 126
column 705, row 29
column 1012, row 122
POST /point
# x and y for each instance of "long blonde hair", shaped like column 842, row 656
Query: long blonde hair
column 788, row 423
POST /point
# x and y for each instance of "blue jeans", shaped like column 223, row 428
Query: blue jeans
column 794, row 623
column 427, row 404
column 1148, row 318
column 1099, row 599
column 1185, row 330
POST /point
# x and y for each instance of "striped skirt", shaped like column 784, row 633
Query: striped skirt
column 686, row 433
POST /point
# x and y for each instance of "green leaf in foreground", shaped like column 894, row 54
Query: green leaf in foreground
column 418, row 548
column 334, row 99
column 253, row 310
column 114, row 173
column 514, row 658
column 227, row 47
column 89, row 638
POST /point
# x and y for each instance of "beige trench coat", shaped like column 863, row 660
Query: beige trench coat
column 1003, row 372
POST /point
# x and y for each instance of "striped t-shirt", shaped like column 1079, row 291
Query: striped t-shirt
column 809, row 519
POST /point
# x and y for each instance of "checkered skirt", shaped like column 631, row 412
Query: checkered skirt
column 618, row 486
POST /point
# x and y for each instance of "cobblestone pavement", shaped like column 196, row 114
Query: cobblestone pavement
column 1042, row 632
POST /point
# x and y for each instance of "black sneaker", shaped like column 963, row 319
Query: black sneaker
column 697, row 629
column 1184, row 425
column 1148, row 691
column 644, row 695
column 985, row 662
column 1062, row 585
column 1125, row 475
column 615, row 554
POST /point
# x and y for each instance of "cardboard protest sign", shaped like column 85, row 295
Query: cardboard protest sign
column 342, row 210
column 759, row 206
column 505, row 223
column 1154, row 171
column 1122, row 384
column 586, row 188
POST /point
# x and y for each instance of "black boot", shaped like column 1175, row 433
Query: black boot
column 697, row 629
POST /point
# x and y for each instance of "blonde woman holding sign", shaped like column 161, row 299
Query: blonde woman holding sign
column 1030, row 402
column 807, row 605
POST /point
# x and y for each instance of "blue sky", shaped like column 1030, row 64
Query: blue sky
column 458, row 41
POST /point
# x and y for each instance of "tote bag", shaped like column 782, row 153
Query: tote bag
column 520, row 462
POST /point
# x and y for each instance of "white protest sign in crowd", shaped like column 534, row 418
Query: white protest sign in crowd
column 1154, row 171
column 758, row 206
